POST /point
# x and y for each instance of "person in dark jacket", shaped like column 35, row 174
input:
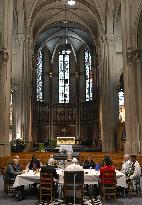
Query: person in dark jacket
column 34, row 164
column 89, row 163
column 11, row 171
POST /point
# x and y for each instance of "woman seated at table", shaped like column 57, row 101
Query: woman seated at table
column 89, row 163
column 107, row 167
column 34, row 164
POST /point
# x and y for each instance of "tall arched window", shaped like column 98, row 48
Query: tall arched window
column 63, row 77
column 88, row 74
column 121, row 106
column 39, row 73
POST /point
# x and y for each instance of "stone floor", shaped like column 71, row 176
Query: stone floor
column 32, row 199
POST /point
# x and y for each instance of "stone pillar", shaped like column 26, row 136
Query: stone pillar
column 133, row 93
column 108, row 93
column 139, row 97
column 132, row 126
column 5, row 77
column 131, row 108
column 23, row 107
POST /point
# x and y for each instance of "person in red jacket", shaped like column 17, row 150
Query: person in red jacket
column 107, row 167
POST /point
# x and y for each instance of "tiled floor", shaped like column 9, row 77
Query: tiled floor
column 32, row 199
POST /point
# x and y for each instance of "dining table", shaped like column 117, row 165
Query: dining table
column 91, row 176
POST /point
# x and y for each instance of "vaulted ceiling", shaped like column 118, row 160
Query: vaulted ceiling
column 53, row 21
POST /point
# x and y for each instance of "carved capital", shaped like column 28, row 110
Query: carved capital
column 4, row 55
column 23, row 38
column 20, row 38
column 28, row 39
column 131, row 55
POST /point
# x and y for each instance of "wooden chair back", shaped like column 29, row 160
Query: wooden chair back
column 74, row 185
column 8, row 185
column 46, row 186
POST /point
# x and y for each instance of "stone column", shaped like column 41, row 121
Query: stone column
column 28, row 86
column 139, row 97
column 4, row 103
column 23, row 107
column 5, row 77
column 131, row 108
column 132, row 125
column 108, row 93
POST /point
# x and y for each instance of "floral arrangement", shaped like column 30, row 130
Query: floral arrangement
column 18, row 145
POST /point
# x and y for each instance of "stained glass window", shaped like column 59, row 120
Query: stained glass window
column 121, row 106
column 121, row 98
column 88, row 74
column 63, row 77
column 40, row 75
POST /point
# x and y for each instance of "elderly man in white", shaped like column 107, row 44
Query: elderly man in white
column 126, row 164
column 136, row 168
column 74, row 166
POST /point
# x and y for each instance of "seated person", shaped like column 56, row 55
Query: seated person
column 74, row 166
column 89, row 163
column 135, row 168
column 11, row 171
column 102, row 163
column 18, row 166
column 126, row 164
column 34, row 164
column 55, row 161
column 49, row 167
column 107, row 167
column 68, row 161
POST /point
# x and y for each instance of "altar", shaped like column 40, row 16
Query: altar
column 65, row 144
column 65, row 140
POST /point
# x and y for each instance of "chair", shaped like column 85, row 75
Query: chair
column 8, row 185
column 46, row 186
column 109, row 184
column 73, row 185
column 134, row 186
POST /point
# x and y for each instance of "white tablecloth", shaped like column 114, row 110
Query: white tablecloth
column 90, row 177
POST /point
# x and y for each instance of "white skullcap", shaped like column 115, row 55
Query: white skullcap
column 74, row 160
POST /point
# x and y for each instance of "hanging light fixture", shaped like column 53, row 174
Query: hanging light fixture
column 71, row 2
column 67, row 44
